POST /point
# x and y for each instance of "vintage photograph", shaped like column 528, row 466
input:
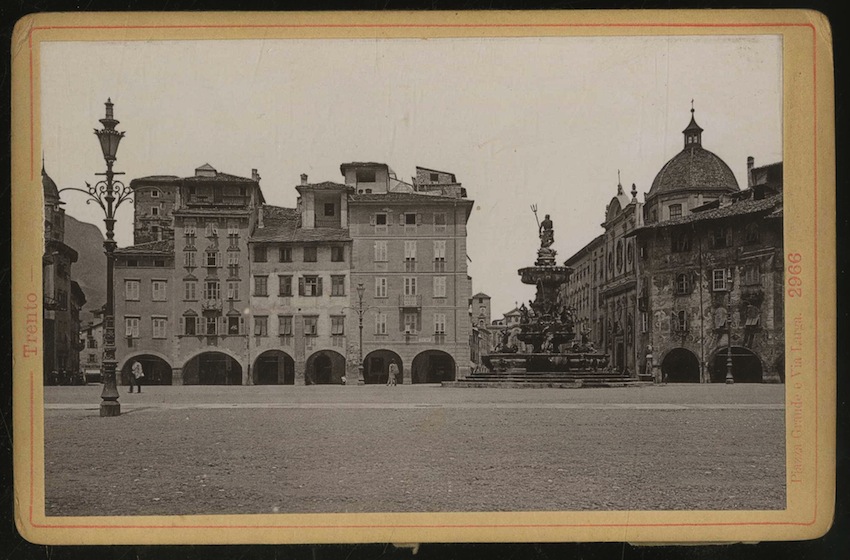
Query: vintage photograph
column 483, row 274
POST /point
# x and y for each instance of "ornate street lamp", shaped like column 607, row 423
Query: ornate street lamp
column 730, row 379
column 109, row 195
column 361, row 311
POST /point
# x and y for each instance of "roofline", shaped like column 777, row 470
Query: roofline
column 435, row 170
column 344, row 166
column 596, row 240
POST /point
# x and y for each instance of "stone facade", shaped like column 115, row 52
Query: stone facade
column 154, row 199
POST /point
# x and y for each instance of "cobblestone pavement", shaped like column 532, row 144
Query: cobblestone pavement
column 202, row 449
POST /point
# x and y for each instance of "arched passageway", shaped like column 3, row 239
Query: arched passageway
column 274, row 367
column 680, row 366
column 325, row 367
column 746, row 366
column 157, row 371
column 212, row 368
column 433, row 366
column 376, row 366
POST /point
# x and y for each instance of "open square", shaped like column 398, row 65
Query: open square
column 243, row 450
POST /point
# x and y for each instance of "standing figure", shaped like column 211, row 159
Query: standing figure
column 391, row 380
column 547, row 233
column 137, row 373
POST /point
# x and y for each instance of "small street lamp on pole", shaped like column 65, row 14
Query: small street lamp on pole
column 109, row 194
column 730, row 379
column 361, row 311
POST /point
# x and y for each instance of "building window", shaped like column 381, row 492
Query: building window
column 92, row 343
column 752, row 275
column 261, row 325
column 439, row 286
column 310, row 286
column 159, row 327
column 330, row 209
column 338, row 325
column 212, row 229
column 159, row 263
column 233, row 290
column 718, row 280
column 439, row 222
column 680, row 321
column 190, row 325
column 310, row 254
column 260, row 254
column 190, row 290
column 131, row 290
column 410, row 219
column 284, row 286
column 620, row 255
column 261, row 286
column 380, row 323
column 434, row 177
column 683, row 284
column 365, row 175
column 439, row 323
column 381, row 223
column 411, row 321
column 212, row 326
column 680, row 242
column 380, row 251
column 212, row 259
column 380, row 287
column 644, row 322
column 131, row 327
column 337, row 254
column 159, row 290
column 285, row 254
column 284, row 327
column 154, row 193
column 189, row 233
column 233, row 324
column 410, row 256
column 410, row 285
column 337, row 285
column 440, row 256
column 212, row 289
column 675, row 210
column 189, row 259
column 311, row 325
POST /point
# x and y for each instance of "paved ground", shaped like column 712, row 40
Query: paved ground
column 201, row 449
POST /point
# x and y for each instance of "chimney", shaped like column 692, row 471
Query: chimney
column 260, row 216
column 303, row 178
column 255, row 176
column 750, row 164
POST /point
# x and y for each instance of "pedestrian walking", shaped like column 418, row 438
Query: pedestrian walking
column 391, row 380
column 137, row 373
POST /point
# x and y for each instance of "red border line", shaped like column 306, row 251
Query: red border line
column 444, row 526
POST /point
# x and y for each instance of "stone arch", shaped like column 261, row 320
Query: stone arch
column 376, row 366
column 132, row 355
column 746, row 365
column 212, row 367
column 274, row 367
column 155, row 366
column 433, row 366
column 324, row 367
column 680, row 365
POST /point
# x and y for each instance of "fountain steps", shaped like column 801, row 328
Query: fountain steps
column 572, row 379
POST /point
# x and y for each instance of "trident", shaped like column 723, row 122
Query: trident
column 534, row 209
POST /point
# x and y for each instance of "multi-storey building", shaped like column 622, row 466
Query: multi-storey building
column 409, row 253
column 300, row 288
column 184, row 300
column 63, row 298
column 153, row 204
column 692, row 277
column 91, row 339
column 712, row 299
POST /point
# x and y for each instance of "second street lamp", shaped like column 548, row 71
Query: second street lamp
column 109, row 194
column 361, row 311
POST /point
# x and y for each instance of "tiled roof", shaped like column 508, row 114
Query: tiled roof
column 282, row 224
column 152, row 247
column 155, row 179
column 581, row 252
column 404, row 197
column 220, row 177
column 325, row 186
column 49, row 186
column 739, row 208
column 694, row 169
column 480, row 294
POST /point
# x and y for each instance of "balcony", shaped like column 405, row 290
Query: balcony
column 211, row 305
column 414, row 301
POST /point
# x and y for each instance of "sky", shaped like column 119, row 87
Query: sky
column 520, row 121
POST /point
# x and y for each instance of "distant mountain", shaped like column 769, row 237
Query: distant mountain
column 90, row 269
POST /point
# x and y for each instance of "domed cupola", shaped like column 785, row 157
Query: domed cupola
column 694, row 169
column 48, row 185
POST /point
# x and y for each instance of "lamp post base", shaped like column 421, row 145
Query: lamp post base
column 110, row 408
column 360, row 380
